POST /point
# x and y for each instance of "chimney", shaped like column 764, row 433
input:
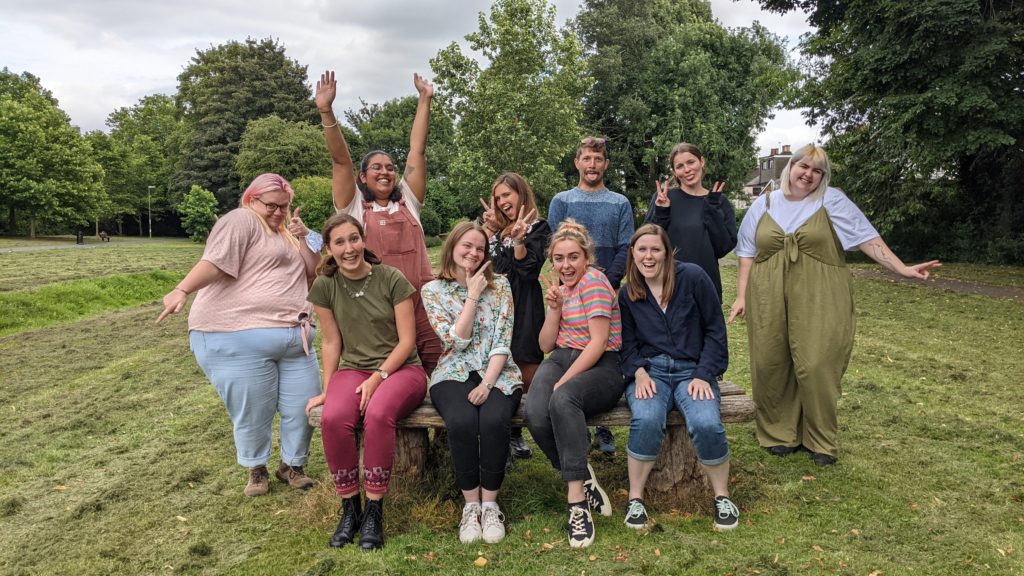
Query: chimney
column 775, row 152
column 785, row 149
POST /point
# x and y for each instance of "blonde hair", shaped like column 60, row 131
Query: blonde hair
column 447, row 269
column 570, row 229
column 814, row 155
column 636, row 284
column 270, row 183
column 518, row 185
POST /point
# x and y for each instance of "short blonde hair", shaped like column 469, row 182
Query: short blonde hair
column 815, row 155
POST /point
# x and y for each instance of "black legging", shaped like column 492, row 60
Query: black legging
column 477, row 435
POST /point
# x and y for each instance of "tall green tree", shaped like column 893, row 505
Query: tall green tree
column 519, row 112
column 219, row 92
column 291, row 149
column 923, row 104
column 666, row 71
column 387, row 126
column 47, row 172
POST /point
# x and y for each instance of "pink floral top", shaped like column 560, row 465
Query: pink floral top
column 492, row 332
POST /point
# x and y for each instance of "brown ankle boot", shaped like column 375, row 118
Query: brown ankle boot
column 294, row 476
column 259, row 482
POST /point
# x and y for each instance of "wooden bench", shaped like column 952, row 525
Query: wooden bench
column 677, row 474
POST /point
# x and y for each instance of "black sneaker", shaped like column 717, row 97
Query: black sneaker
column 727, row 515
column 596, row 496
column 605, row 440
column 636, row 515
column 781, row 451
column 581, row 526
column 822, row 459
column 520, row 449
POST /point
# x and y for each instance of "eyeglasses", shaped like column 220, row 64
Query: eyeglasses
column 591, row 142
column 271, row 207
column 382, row 167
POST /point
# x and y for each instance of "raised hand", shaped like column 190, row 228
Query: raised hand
column 661, row 190
column 326, row 90
column 719, row 187
column 296, row 227
column 425, row 89
column 476, row 283
column 552, row 290
column 489, row 217
column 522, row 224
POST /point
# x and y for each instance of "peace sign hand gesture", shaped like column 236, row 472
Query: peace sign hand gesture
column 661, row 194
column 326, row 90
column 489, row 218
column 522, row 224
column 552, row 290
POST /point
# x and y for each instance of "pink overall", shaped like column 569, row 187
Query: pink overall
column 398, row 240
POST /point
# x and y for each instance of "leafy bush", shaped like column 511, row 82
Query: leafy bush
column 198, row 211
column 313, row 198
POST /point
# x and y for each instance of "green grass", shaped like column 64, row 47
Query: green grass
column 116, row 457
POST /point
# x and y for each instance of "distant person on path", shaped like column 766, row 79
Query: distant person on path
column 581, row 377
column 607, row 216
column 249, row 327
column 701, row 223
column 518, row 241
column 365, row 310
column 796, row 292
column 476, row 386
column 387, row 208
column 673, row 346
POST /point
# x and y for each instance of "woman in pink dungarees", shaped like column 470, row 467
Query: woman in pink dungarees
column 388, row 208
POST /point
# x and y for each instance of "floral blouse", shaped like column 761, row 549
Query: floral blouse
column 492, row 332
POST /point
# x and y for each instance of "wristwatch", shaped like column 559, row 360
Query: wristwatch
column 383, row 373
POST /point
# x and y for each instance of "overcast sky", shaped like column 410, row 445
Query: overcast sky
column 99, row 55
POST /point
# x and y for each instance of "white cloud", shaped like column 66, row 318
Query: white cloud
column 100, row 55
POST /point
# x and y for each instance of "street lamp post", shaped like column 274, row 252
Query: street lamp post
column 150, row 197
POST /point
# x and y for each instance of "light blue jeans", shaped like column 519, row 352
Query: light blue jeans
column 258, row 373
column 703, row 418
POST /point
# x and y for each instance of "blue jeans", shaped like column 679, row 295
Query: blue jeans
column 258, row 373
column 703, row 419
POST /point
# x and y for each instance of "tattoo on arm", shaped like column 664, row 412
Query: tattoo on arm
column 880, row 253
column 408, row 171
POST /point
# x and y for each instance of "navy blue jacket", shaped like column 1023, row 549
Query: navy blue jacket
column 691, row 328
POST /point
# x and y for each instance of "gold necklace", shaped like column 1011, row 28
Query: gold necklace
column 362, row 289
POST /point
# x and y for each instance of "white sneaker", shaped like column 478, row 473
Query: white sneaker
column 492, row 521
column 596, row 496
column 581, row 527
column 469, row 527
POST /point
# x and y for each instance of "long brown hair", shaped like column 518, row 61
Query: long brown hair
column 527, row 200
column 328, row 265
column 447, row 269
column 636, row 284
column 678, row 149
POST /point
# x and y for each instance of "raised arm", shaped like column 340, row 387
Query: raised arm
column 879, row 251
column 343, row 174
column 415, row 174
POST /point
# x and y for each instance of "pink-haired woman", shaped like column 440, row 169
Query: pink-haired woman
column 249, row 327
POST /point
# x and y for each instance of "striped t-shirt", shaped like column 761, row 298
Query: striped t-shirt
column 592, row 297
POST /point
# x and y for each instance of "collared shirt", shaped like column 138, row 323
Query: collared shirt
column 492, row 332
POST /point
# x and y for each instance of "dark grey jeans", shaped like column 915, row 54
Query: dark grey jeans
column 557, row 419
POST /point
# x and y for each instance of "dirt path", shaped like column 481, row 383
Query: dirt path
column 950, row 284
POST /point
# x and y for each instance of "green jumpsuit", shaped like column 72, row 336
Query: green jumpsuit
column 800, row 325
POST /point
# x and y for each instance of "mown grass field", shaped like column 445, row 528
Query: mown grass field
column 116, row 455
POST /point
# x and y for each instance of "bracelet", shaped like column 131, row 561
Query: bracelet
column 329, row 110
column 330, row 125
column 468, row 298
column 182, row 290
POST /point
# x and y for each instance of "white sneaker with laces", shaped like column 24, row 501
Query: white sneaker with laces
column 596, row 496
column 469, row 527
column 493, row 524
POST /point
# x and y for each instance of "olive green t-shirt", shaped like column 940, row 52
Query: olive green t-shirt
column 367, row 323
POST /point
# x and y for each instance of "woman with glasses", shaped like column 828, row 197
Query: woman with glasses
column 249, row 327
column 387, row 207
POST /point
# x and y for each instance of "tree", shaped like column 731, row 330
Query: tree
column 291, row 149
column 522, row 111
column 387, row 126
column 198, row 211
column 313, row 199
column 665, row 71
column 46, row 167
column 219, row 92
column 922, row 104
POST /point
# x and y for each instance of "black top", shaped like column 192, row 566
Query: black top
column 702, row 229
column 526, row 292
column 690, row 328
